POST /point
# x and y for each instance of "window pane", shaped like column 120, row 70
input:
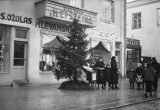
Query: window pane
column 21, row 34
column 19, row 48
column 135, row 23
column 139, row 23
column 18, row 62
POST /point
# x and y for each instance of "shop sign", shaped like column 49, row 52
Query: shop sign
column 133, row 43
column 15, row 18
column 63, row 12
column 52, row 26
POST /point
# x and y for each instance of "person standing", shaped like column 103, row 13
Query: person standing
column 131, row 77
column 114, row 73
column 100, row 67
column 107, row 74
column 155, row 65
column 149, row 74
column 139, row 76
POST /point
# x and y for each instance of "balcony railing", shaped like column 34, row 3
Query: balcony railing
column 62, row 12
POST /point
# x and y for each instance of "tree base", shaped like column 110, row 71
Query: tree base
column 74, row 85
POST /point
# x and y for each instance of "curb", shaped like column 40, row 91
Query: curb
column 125, row 105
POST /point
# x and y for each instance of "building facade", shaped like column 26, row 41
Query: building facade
column 28, row 32
column 143, row 19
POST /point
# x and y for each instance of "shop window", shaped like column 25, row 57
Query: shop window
column 136, row 23
column 107, row 10
column 4, row 48
column 49, row 45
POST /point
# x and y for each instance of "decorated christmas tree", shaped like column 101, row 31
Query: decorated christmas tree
column 71, row 56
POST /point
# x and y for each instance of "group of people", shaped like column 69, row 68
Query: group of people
column 107, row 73
column 146, row 74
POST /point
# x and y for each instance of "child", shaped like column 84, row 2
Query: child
column 131, row 77
column 107, row 72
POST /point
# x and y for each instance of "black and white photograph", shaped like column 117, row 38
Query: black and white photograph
column 79, row 54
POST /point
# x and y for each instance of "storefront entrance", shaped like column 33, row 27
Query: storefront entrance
column 133, row 53
column 20, row 58
column 20, row 55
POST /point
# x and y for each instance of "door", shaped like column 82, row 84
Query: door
column 20, row 60
column 132, row 58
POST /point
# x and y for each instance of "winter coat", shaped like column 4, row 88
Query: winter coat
column 149, row 74
column 114, row 74
column 131, row 76
column 107, row 74
column 100, row 73
column 139, row 72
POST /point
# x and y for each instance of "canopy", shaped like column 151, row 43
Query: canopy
column 105, row 44
column 55, row 43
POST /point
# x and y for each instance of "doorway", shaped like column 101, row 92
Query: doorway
column 20, row 60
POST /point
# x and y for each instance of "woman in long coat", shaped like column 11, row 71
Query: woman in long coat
column 114, row 73
column 149, row 75
column 100, row 67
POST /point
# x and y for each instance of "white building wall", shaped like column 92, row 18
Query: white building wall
column 149, row 33
column 27, row 9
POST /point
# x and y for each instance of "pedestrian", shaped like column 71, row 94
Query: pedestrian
column 155, row 65
column 100, row 67
column 149, row 74
column 139, row 76
column 131, row 76
column 114, row 73
column 107, row 72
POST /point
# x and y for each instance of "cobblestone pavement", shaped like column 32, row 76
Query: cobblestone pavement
column 48, row 97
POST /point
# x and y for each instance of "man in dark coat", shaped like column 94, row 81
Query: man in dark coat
column 155, row 65
column 100, row 67
column 114, row 73
column 149, row 74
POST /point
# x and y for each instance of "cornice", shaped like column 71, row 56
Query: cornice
column 140, row 2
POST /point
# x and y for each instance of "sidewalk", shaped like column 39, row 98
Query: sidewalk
column 48, row 97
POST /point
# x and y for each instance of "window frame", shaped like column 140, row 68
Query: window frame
column 108, row 15
column 158, row 17
column 138, row 20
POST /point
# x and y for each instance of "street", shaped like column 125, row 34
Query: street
column 48, row 97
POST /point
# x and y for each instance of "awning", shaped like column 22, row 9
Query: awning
column 105, row 44
column 55, row 43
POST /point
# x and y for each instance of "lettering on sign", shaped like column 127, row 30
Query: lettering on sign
column 15, row 18
column 52, row 26
column 132, row 43
column 67, row 13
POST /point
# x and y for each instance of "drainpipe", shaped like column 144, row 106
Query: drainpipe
column 125, row 38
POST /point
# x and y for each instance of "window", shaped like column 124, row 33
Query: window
column 136, row 24
column 22, row 34
column 107, row 10
column 49, row 45
column 4, row 48
column 19, row 53
column 158, row 16
column 77, row 3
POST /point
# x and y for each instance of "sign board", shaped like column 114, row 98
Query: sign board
column 59, row 11
column 133, row 43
